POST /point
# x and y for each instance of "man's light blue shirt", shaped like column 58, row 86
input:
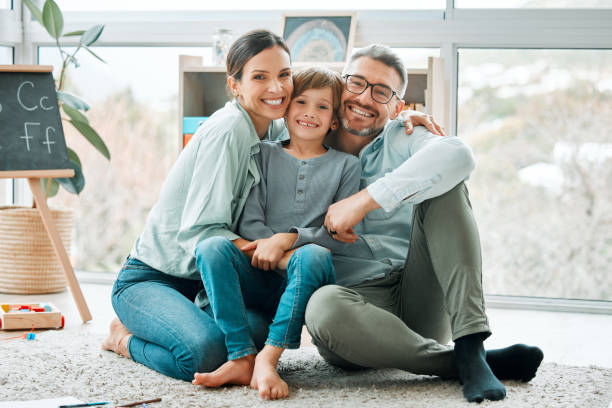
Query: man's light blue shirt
column 399, row 171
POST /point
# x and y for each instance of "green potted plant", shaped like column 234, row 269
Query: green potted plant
column 30, row 265
column 51, row 18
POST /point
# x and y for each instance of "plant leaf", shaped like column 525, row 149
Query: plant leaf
column 73, row 156
column 54, row 187
column 52, row 19
column 36, row 13
column 91, row 36
column 94, row 54
column 74, row 33
column 76, row 183
column 74, row 114
column 93, row 137
column 75, row 62
column 72, row 100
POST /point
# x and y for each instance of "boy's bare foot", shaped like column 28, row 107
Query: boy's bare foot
column 265, row 378
column 118, row 338
column 237, row 371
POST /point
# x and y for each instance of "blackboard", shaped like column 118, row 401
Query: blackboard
column 31, row 133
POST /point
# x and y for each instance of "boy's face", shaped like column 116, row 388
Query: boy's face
column 311, row 115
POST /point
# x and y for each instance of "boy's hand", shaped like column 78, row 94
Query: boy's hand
column 269, row 251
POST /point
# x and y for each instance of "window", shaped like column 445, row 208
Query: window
column 500, row 114
column 134, row 104
column 6, row 5
column 533, row 4
column 539, row 123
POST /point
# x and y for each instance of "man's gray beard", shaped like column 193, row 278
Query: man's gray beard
column 366, row 132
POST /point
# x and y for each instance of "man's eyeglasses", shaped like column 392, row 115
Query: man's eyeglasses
column 379, row 92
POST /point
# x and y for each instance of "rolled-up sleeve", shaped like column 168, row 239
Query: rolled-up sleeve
column 436, row 164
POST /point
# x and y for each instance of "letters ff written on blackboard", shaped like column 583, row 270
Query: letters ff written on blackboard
column 31, row 133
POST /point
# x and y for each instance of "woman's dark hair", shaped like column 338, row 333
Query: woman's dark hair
column 247, row 46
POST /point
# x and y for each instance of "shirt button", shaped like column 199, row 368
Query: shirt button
column 303, row 163
column 300, row 191
column 301, row 177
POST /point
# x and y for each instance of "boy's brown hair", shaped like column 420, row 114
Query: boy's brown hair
column 317, row 78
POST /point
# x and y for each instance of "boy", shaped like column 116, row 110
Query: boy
column 300, row 178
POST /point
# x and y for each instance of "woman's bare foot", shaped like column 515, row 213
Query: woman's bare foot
column 265, row 378
column 118, row 338
column 237, row 371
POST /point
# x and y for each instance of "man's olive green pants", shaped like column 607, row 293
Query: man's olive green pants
column 405, row 319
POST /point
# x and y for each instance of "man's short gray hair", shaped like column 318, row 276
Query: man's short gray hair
column 384, row 54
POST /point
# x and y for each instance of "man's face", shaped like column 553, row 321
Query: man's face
column 360, row 114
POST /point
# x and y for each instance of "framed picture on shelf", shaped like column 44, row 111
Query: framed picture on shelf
column 321, row 37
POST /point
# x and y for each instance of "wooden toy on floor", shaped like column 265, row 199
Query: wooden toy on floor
column 30, row 316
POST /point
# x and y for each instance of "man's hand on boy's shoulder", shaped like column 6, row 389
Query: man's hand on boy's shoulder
column 412, row 118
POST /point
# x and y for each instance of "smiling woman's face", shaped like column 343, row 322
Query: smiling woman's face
column 265, row 88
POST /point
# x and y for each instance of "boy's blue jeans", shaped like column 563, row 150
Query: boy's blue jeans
column 170, row 334
column 233, row 286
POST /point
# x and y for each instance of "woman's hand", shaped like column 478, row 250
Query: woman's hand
column 414, row 118
column 269, row 251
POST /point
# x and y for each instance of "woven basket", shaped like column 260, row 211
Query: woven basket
column 28, row 264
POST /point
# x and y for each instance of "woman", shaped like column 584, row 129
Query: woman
column 163, row 322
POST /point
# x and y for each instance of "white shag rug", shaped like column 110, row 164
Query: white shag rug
column 71, row 363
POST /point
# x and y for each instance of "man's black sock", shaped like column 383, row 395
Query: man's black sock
column 479, row 382
column 517, row 362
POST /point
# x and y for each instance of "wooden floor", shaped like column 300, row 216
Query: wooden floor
column 566, row 338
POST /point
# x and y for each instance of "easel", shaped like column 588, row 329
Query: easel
column 40, row 200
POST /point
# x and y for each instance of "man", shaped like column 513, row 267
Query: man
column 393, row 310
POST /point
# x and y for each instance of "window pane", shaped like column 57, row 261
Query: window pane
column 6, row 4
column 533, row 4
column 79, row 5
column 416, row 58
column 6, row 55
column 539, row 122
column 134, row 106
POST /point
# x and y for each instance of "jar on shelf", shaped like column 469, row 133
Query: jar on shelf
column 222, row 40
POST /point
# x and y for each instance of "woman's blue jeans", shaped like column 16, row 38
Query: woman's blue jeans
column 233, row 286
column 171, row 335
